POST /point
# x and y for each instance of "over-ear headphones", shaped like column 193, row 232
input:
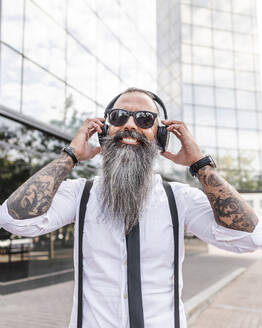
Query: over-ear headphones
column 162, row 135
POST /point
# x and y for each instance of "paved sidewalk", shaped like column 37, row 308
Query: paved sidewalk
column 239, row 305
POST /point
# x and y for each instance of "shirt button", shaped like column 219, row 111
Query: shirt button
column 125, row 296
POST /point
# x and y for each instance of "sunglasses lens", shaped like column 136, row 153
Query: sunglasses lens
column 144, row 120
column 118, row 117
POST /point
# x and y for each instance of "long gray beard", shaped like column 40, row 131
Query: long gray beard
column 127, row 176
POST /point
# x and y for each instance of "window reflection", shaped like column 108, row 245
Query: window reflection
column 224, row 78
column 201, row 16
column 23, row 152
column 81, row 69
column 12, row 23
column 224, row 58
column 226, row 118
column 202, row 36
column 246, row 100
column 247, row 120
column 56, row 9
column 225, row 98
column 243, row 24
column 243, row 43
column 223, row 5
column 188, row 114
column 223, row 40
column 187, row 94
column 244, row 61
column 222, row 21
column 203, row 75
column 248, row 139
column 10, row 77
column 245, row 80
column 204, row 95
column 43, row 95
column 202, row 55
column 186, row 14
column 205, row 115
column 201, row 136
column 44, row 40
column 227, row 138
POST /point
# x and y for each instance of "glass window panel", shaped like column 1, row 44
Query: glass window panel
column 241, row 7
column 204, row 95
column 227, row 138
column 248, row 139
column 10, row 78
column 244, row 61
column 186, row 14
column 205, row 136
column 108, row 48
column 205, row 115
column 247, row 120
column 259, row 101
column 201, row 16
column 228, row 159
column 223, row 58
column 187, row 73
column 250, row 160
column 223, row 40
column 242, row 24
column 107, row 85
column 202, row 36
column 79, row 15
column 245, row 80
column 186, row 54
column 188, row 115
column 202, row 3
column 202, row 55
column 128, row 65
column 187, row 93
column 77, row 109
column 12, row 23
column 260, row 123
column 44, row 41
column 56, row 9
column 203, row 75
column 222, row 21
column 186, row 33
column 246, row 100
column 81, row 69
column 226, row 118
column 243, row 42
column 224, row 5
column 225, row 98
column 224, row 78
column 257, row 81
column 43, row 95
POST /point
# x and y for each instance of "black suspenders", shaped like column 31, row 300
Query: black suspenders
column 133, row 263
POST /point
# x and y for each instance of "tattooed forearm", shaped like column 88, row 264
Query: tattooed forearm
column 34, row 197
column 229, row 208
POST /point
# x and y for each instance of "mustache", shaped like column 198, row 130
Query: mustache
column 141, row 138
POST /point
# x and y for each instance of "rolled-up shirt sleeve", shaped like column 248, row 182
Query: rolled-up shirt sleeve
column 200, row 221
column 61, row 212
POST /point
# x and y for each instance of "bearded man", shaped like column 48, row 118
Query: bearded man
column 126, row 195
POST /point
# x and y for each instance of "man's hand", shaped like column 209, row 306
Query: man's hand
column 189, row 152
column 82, row 149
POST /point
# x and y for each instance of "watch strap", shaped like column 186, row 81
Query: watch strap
column 195, row 167
column 70, row 152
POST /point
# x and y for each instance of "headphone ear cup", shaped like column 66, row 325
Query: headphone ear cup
column 103, row 134
column 162, row 137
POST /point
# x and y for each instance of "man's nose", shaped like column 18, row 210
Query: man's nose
column 130, row 124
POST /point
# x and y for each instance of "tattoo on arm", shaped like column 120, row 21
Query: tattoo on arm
column 34, row 197
column 230, row 209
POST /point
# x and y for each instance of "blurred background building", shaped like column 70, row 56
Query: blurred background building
column 62, row 61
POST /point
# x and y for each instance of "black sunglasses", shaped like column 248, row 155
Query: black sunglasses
column 143, row 118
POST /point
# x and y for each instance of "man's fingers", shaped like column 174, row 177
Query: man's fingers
column 169, row 155
column 169, row 122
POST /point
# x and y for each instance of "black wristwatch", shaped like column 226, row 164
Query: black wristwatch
column 195, row 167
column 70, row 152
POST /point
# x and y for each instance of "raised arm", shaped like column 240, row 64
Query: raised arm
column 35, row 196
column 230, row 209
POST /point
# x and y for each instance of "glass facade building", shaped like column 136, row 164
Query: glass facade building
column 63, row 61
column 221, row 84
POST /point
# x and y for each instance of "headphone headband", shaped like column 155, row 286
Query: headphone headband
column 154, row 98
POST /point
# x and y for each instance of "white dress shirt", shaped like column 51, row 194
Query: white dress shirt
column 105, row 299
